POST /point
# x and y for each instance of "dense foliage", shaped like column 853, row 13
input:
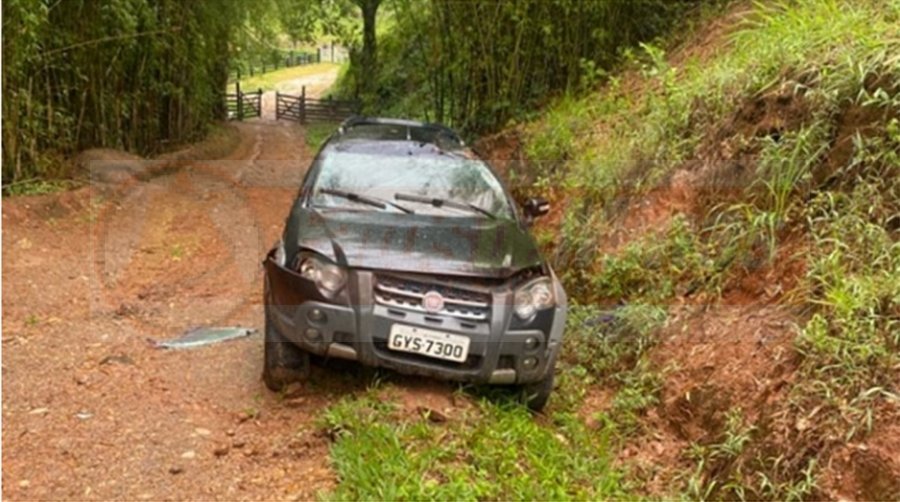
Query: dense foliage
column 478, row 63
column 134, row 74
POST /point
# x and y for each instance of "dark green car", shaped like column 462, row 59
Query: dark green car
column 403, row 250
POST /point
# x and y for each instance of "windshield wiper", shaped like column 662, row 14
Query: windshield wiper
column 468, row 206
column 363, row 199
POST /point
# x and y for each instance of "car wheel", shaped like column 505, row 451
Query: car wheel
column 283, row 362
column 535, row 395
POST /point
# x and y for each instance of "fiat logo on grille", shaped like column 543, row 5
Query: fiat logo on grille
column 433, row 302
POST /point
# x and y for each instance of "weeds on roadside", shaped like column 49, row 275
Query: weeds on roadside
column 318, row 133
column 851, row 343
column 714, row 458
column 497, row 450
column 40, row 186
column 832, row 57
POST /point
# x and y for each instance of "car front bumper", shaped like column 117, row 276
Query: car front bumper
column 355, row 326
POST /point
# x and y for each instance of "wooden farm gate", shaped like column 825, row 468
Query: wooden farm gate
column 304, row 110
column 241, row 105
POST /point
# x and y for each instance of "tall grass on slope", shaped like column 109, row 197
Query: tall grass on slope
column 621, row 143
column 838, row 61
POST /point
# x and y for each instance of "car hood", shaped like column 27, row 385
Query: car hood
column 413, row 243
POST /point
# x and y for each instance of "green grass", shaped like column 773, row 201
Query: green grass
column 269, row 81
column 600, row 146
column 317, row 133
column 851, row 343
column 40, row 186
column 494, row 450
column 823, row 58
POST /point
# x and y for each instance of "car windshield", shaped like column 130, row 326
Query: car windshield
column 458, row 181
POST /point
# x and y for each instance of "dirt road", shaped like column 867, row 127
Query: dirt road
column 91, row 410
column 315, row 84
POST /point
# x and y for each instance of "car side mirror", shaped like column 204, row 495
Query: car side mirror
column 536, row 207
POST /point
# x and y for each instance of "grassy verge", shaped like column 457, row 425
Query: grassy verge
column 817, row 159
column 39, row 186
column 317, row 133
column 269, row 81
column 492, row 447
column 493, row 450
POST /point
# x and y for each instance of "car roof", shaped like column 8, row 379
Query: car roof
column 378, row 130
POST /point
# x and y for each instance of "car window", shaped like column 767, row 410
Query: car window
column 438, row 176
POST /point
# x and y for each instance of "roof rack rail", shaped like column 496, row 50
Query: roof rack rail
column 359, row 120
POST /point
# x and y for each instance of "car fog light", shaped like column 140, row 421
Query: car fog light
column 531, row 343
column 313, row 334
column 529, row 363
column 316, row 316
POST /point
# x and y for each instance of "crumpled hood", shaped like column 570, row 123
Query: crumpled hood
column 413, row 243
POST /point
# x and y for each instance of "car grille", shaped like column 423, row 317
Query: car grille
column 407, row 294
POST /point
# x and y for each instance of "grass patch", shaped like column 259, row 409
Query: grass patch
column 497, row 450
column 40, row 186
column 269, row 81
column 851, row 343
column 319, row 132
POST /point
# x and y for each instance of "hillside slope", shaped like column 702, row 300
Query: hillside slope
column 728, row 219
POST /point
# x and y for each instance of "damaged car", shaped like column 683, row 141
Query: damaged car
column 404, row 250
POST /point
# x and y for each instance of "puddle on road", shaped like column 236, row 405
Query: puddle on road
column 200, row 337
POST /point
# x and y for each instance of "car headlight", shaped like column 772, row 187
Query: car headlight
column 532, row 297
column 279, row 252
column 328, row 277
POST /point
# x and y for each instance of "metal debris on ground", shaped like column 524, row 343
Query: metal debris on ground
column 204, row 336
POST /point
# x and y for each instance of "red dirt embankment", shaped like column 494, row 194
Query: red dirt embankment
column 732, row 354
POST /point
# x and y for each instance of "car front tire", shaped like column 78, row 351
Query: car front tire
column 283, row 362
column 535, row 395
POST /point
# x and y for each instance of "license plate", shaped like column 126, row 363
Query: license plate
column 428, row 342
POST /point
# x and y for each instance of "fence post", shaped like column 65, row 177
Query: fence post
column 240, row 100
column 259, row 102
column 303, row 105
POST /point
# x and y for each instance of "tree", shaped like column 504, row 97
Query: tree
column 339, row 19
column 369, row 61
column 141, row 75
